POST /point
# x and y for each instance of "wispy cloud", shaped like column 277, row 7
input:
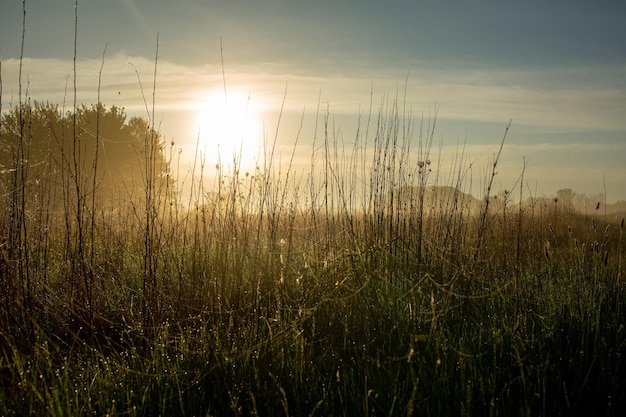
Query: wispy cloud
column 539, row 102
column 533, row 98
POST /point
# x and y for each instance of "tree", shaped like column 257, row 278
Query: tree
column 566, row 197
column 57, row 170
column 103, row 152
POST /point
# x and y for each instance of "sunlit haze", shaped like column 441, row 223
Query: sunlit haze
column 230, row 129
column 232, row 76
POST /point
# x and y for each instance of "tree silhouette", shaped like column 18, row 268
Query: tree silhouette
column 106, row 150
column 64, row 170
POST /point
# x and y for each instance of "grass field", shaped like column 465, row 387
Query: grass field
column 363, row 287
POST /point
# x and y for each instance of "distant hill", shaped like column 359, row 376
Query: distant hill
column 445, row 198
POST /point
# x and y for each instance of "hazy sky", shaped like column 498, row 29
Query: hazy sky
column 556, row 68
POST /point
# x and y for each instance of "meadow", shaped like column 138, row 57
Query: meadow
column 363, row 287
column 369, row 284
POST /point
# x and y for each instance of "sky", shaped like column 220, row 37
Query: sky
column 556, row 69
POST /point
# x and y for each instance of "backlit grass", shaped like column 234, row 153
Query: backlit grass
column 363, row 285
column 277, row 296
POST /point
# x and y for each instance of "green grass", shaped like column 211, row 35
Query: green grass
column 371, row 348
column 351, row 289
column 296, row 311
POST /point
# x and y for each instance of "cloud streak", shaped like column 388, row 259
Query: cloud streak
column 470, row 97
column 486, row 96
column 560, row 116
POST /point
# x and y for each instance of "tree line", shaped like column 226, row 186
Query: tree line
column 99, row 149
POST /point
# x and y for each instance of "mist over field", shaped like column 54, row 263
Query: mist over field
column 322, row 209
column 555, row 70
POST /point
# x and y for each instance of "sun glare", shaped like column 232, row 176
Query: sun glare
column 230, row 131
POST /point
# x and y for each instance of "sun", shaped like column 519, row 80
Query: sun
column 230, row 131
